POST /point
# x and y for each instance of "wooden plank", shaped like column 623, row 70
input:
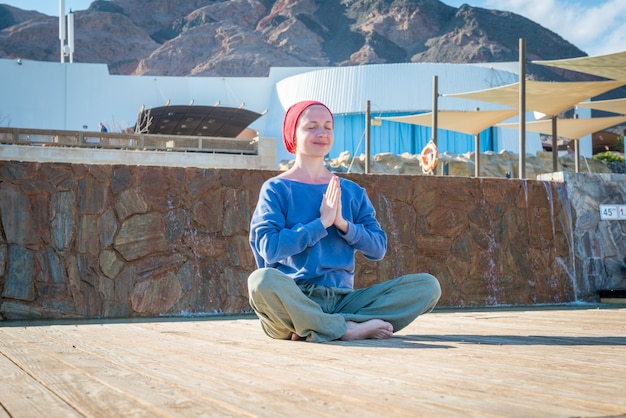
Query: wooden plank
column 517, row 363
column 21, row 392
column 101, row 388
column 224, row 356
column 193, row 371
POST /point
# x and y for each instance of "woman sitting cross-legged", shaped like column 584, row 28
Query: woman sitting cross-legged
column 305, row 230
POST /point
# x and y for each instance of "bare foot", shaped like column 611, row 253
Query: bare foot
column 374, row 328
column 296, row 337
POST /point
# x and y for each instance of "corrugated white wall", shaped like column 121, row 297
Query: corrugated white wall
column 395, row 88
column 392, row 87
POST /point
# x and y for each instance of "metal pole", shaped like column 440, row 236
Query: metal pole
column 576, row 150
column 435, row 107
column 62, row 28
column 522, row 109
column 477, row 155
column 576, row 156
column 368, row 123
column 70, row 35
column 555, row 147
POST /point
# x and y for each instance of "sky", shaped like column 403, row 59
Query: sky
column 596, row 27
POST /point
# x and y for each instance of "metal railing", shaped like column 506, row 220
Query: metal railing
column 113, row 140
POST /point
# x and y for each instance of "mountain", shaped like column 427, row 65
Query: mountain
column 247, row 37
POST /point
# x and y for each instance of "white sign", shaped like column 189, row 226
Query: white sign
column 612, row 212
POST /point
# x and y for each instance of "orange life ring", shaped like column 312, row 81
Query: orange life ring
column 429, row 157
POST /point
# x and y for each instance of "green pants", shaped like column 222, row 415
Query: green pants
column 319, row 313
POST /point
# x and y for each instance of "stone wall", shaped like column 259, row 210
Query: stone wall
column 82, row 240
column 600, row 245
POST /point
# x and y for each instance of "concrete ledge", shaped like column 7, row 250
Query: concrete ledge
column 265, row 160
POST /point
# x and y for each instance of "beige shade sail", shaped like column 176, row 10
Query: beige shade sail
column 549, row 98
column 612, row 66
column 466, row 122
column 569, row 128
column 613, row 105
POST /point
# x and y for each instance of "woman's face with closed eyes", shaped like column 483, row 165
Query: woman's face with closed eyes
column 314, row 133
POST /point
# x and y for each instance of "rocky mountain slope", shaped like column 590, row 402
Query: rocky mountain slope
column 247, row 37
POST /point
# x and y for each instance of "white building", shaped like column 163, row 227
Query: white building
column 78, row 96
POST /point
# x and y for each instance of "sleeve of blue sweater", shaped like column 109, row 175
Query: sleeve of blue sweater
column 270, row 237
column 364, row 232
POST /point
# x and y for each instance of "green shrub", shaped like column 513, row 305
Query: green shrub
column 609, row 157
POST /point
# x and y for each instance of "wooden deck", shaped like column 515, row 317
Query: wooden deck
column 542, row 361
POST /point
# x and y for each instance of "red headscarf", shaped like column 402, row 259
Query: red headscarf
column 291, row 121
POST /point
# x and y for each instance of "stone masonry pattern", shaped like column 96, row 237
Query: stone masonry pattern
column 96, row 241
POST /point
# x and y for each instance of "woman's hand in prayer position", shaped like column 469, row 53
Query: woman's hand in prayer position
column 330, row 210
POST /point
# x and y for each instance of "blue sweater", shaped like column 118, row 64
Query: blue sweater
column 286, row 232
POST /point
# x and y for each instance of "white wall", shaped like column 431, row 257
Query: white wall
column 46, row 95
